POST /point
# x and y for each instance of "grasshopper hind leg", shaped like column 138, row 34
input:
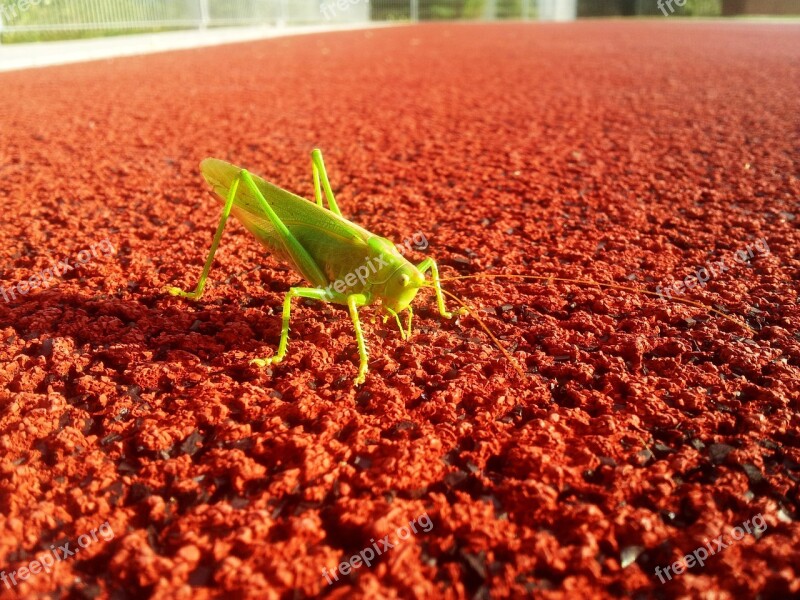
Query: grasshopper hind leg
column 321, row 176
column 201, row 283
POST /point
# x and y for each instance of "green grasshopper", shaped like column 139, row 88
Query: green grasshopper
column 325, row 248
column 321, row 245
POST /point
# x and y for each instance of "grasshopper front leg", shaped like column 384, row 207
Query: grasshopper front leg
column 430, row 265
column 353, row 302
column 426, row 265
column 391, row 313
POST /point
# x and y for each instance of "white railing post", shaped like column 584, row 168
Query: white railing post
column 558, row 10
column 2, row 24
column 414, row 10
column 283, row 17
column 204, row 14
column 490, row 10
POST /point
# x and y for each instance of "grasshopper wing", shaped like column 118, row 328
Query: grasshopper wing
column 319, row 231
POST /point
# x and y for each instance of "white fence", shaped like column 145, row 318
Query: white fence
column 25, row 19
column 75, row 15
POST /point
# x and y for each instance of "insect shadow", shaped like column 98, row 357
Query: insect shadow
column 80, row 333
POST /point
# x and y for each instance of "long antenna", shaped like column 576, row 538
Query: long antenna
column 483, row 325
column 600, row 284
column 613, row 286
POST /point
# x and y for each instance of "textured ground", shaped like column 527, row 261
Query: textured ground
column 624, row 152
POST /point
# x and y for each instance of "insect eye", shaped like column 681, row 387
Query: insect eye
column 404, row 279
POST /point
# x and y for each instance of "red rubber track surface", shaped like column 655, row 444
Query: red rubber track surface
column 627, row 152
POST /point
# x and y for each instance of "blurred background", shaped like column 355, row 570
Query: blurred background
column 43, row 20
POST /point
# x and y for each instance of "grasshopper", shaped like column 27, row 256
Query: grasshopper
column 347, row 264
column 329, row 251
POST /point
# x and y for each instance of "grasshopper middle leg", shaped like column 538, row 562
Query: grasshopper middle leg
column 353, row 302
